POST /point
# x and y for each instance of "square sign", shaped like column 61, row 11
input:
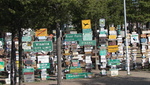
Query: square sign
column 86, row 24
column 39, row 46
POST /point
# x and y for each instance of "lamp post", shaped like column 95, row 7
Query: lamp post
column 126, row 37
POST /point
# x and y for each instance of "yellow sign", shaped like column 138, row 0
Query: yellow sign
column 112, row 29
column 113, row 48
column 1, row 66
column 86, row 24
column 41, row 32
column 66, row 54
column 112, row 36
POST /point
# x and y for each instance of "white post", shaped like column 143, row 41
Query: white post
column 127, row 56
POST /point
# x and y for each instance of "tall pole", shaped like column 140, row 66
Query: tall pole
column 20, row 56
column 126, row 37
column 58, row 35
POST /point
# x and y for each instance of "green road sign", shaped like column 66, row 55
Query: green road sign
column 103, row 52
column 28, row 70
column 26, row 38
column 113, row 62
column 86, row 30
column 44, row 65
column 87, row 36
column 73, row 37
column 2, row 40
column 91, row 42
column 2, row 66
column 39, row 46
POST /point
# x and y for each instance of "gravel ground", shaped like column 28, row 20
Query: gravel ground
column 135, row 78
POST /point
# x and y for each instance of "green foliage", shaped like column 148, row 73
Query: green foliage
column 45, row 13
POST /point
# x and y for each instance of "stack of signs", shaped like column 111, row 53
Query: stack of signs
column 120, row 47
column 143, row 40
column 28, row 74
column 75, row 68
column 1, row 43
column 67, row 48
column 26, row 40
column 87, row 42
column 134, row 41
column 148, row 41
column 113, row 63
column 119, row 29
column 112, row 43
column 72, row 40
column 8, row 41
column 43, row 63
column 103, row 43
column 86, row 30
column 103, row 53
column 1, row 65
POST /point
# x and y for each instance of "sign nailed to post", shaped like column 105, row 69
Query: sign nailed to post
column 39, row 46
column 86, row 24
column 41, row 32
column 73, row 37
column 89, row 42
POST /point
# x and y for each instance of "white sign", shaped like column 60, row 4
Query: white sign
column 43, row 59
column 134, row 38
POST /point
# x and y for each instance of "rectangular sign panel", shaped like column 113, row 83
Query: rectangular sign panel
column 73, row 37
column 113, row 48
column 41, row 32
column 39, row 46
column 91, row 42
column 43, row 65
column 26, row 38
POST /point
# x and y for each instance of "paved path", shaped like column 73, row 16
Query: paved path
column 136, row 78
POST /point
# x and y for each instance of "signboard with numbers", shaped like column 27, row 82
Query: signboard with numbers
column 39, row 46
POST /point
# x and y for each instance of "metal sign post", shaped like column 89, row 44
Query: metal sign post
column 127, row 56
